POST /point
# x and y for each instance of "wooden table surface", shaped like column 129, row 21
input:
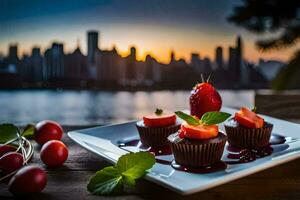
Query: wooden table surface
column 70, row 180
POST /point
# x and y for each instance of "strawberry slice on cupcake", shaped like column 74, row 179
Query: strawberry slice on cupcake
column 156, row 127
column 159, row 119
column 248, row 130
column 248, row 118
column 199, row 143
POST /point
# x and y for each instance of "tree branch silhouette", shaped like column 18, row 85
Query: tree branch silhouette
column 280, row 18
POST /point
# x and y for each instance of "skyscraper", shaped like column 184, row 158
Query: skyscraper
column 131, row 72
column 239, row 58
column 76, row 65
column 232, row 59
column 195, row 57
column 37, row 62
column 219, row 57
column 196, row 62
column 239, row 48
column 236, row 60
column 207, row 67
column 92, row 41
column 54, row 62
column 13, row 54
column 172, row 57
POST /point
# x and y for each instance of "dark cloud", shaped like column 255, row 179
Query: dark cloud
column 191, row 12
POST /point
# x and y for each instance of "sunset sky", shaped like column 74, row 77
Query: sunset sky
column 153, row 26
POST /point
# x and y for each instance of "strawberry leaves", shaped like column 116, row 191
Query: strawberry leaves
column 128, row 168
column 209, row 118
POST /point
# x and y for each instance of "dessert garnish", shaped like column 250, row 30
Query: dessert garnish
column 204, row 98
column 204, row 128
column 158, row 111
column 248, row 118
column 127, row 170
column 159, row 118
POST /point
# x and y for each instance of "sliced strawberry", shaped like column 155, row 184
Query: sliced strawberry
column 249, row 119
column 200, row 131
column 154, row 120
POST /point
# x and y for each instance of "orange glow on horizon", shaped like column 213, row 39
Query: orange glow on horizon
column 157, row 41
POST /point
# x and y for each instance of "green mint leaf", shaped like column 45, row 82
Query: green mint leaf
column 188, row 118
column 211, row 118
column 134, row 165
column 254, row 109
column 129, row 167
column 106, row 181
column 110, row 186
column 129, row 181
column 158, row 111
column 28, row 131
column 8, row 132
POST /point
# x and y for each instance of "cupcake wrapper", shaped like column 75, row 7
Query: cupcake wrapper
column 197, row 155
column 156, row 136
column 249, row 138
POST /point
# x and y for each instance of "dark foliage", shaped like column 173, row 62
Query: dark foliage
column 281, row 17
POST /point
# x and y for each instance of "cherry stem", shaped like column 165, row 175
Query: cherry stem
column 7, row 175
column 11, row 141
column 27, row 154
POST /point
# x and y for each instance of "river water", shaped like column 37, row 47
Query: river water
column 97, row 107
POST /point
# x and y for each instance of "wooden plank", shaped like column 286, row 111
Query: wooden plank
column 70, row 180
column 284, row 105
column 281, row 182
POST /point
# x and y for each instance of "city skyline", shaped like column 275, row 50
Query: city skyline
column 106, row 69
column 93, row 42
column 224, row 50
column 124, row 53
column 154, row 27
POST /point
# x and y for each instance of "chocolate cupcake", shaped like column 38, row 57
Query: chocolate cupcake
column 197, row 153
column 155, row 128
column 199, row 143
column 247, row 130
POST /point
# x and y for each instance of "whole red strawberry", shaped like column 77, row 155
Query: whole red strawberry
column 204, row 98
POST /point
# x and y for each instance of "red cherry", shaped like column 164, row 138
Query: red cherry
column 6, row 148
column 11, row 162
column 154, row 120
column 54, row 153
column 204, row 98
column 28, row 180
column 47, row 130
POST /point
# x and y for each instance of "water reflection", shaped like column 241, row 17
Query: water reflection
column 90, row 107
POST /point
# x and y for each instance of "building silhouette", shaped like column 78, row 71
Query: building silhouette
column 92, row 45
column 107, row 66
column 53, row 68
column 13, row 54
column 239, row 59
column 106, row 69
column 76, row 65
column 36, row 61
column 219, row 57
column 172, row 57
column 131, row 68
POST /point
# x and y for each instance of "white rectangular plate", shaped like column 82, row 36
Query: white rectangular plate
column 104, row 140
